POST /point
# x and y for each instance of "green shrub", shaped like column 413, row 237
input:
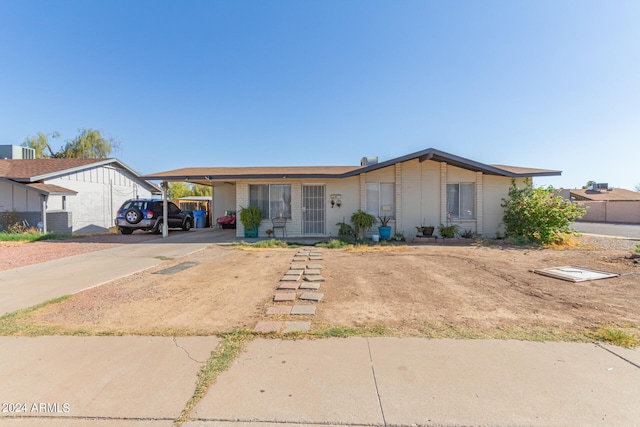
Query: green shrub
column 538, row 215
column 362, row 222
column 250, row 217
column 448, row 231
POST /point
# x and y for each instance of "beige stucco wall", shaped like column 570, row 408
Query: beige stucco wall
column 347, row 189
column 420, row 198
column 224, row 199
column 625, row 211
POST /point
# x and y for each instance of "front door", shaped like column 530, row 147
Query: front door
column 313, row 212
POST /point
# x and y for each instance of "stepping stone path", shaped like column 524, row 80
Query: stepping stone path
column 301, row 277
column 284, row 296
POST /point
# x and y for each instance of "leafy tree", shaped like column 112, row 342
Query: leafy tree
column 177, row 190
column 89, row 144
column 588, row 184
column 41, row 142
column 538, row 215
column 201, row 190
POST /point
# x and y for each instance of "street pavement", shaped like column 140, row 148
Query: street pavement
column 625, row 231
column 147, row 381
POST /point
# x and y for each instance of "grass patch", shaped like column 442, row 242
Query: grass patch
column 263, row 244
column 638, row 248
column 31, row 237
column 14, row 323
column 616, row 337
column 233, row 343
column 333, row 244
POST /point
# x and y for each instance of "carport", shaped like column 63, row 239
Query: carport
column 182, row 175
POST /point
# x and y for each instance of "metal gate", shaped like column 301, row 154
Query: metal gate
column 313, row 209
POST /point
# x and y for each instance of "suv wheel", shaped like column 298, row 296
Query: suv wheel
column 133, row 216
column 158, row 228
column 186, row 226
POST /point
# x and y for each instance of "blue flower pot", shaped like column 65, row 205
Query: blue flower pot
column 385, row 232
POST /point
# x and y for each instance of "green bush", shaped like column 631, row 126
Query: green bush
column 448, row 231
column 362, row 222
column 538, row 215
column 250, row 217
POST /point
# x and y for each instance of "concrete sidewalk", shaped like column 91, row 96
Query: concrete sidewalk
column 114, row 381
column 27, row 286
column 391, row 381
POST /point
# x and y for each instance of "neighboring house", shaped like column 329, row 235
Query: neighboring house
column 606, row 204
column 69, row 195
column 423, row 188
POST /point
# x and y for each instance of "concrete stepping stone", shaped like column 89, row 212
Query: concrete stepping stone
column 294, row 271
column 309, row 286
column 311, row 296
column 290, row 278
column 315, row 258
column 316, row 278
column 290, row 286
column 314, row 272
column 302, row 253
column 303, row 310
column 314, row 266
column 267, row 326
column 299, row 259
column 297, row 267
column 279, row 309
column 284, row 296
column 296, row 327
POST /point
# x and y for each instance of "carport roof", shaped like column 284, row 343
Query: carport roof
column 204, row 174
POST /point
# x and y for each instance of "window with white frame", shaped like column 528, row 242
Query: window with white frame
column 274, row 200
column 380, row 199
column 461, row 201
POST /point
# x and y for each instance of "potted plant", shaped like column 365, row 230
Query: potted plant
column 250, row 218
column 426, row 231
column 362, row 221
column 399, row 237
column 448, row 231
column 384, row 228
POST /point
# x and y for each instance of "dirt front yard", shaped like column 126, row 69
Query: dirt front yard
column 405, row 289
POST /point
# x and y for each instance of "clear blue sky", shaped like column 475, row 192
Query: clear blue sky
column 544, row 83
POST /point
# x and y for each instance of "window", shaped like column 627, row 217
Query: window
column 274, row 200
column 461, row 200
column 380, row 198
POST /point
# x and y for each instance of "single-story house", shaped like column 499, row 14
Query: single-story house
column 429, row 187
column 69, row 195
column 605, row 204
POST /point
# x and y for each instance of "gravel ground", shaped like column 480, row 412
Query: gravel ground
column 610, row 243
column 20, row 254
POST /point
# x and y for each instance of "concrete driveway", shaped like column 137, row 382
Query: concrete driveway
column 27, row 286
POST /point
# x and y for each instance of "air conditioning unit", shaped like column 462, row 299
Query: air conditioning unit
column 368, row 161
column 601, row 186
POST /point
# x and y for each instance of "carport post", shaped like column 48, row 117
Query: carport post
column 165, row 209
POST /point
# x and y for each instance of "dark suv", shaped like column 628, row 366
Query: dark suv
column 146, row 214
